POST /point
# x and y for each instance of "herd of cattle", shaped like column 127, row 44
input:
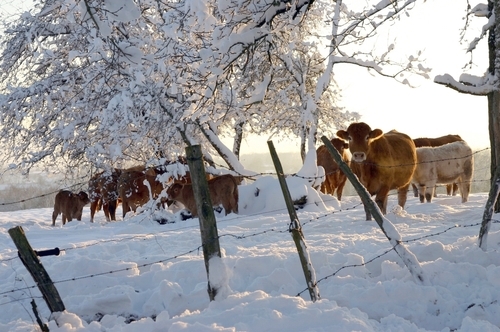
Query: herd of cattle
column 381, row 161
column 392, row 160
column 134, row 187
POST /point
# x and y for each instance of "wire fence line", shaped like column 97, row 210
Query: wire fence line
column 237, row 237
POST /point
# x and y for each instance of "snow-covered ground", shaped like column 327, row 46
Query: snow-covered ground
column 139, row 275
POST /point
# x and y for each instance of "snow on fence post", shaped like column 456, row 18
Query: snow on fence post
column 30, row 260
column 489, row 209
column 385, row 224
column 206, row 216
column 296, row 229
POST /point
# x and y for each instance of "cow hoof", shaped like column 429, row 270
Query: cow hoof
column 185, row 215
column 163, row 221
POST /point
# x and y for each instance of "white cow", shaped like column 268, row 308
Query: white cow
column 449, row 163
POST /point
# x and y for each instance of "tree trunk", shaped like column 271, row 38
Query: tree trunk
column 494, row 97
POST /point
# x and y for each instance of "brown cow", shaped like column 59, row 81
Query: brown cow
column 137, row 185
column 382, row 161
column 451, row 189
column 335, row 179
column 223, row 190
column 70, row 205
column 103, row 190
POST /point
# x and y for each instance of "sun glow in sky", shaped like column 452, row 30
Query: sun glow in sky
column 429, row 109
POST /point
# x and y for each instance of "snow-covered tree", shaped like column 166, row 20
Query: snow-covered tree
column 101, row 81
column 488, row 84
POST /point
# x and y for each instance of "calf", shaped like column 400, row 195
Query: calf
column 223, row 190
column 137, row 185
column 438, row 141
column 335, row 179
column 449, row 163
column 103, row 190
column 381, row 161
column 70, row 205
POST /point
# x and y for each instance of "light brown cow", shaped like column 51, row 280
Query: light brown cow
column 223, row 191
column 137, row 185
column 103, row 190
column 70, row 205
column 335, row 179
column 451, row 189
column 449, row 163
column 381, row 161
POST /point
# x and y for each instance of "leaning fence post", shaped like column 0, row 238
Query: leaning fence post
column 489, row 209
column 385, row 225
column 296, row 229
column 30, row 260
column 206, row 216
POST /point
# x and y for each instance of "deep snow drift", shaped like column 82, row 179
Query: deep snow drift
column 138, row 275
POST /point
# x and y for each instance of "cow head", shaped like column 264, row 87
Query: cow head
column 83, row 197
column 339, row 144
column 174, row 191
column 359, row 135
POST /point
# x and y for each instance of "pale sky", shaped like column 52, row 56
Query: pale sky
column 430, row 110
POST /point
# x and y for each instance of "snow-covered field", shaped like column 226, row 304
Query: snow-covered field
column 138, row 275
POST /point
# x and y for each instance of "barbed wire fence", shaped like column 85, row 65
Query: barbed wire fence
column 28, row 288
column 83, row 182
column 197, row 249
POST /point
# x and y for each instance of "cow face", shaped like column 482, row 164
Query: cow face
column 359, row 136
column 340, row 145
column 83, row 197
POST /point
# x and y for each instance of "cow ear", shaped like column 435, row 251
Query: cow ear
column 375, row 133
column 343, row 134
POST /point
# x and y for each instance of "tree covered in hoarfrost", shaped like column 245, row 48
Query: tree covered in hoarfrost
column 487, row 84
column 102, row 82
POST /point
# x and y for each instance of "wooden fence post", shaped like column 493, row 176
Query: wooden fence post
column 208, row 225
column 489, row 209
column 296, row 229
column 36, row 269
column 406, row 255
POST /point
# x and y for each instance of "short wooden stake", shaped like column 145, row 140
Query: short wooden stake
column 36, row 269
column 296, row 229
column 208, row 225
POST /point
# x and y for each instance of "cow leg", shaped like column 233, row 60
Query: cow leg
column 63, row 219
column 421, row 190
column 381, row 199
column 93, row 208
column 415, row 190
column 455, row 189
column 402, row 195
column 125, row 208
column 105, row 208
column 464, row 186
column 112, row 209
column 367, row 213
column 429, row 193
column 54, row 217
column 449, row 188
column 323, row 187
column 340, row 187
